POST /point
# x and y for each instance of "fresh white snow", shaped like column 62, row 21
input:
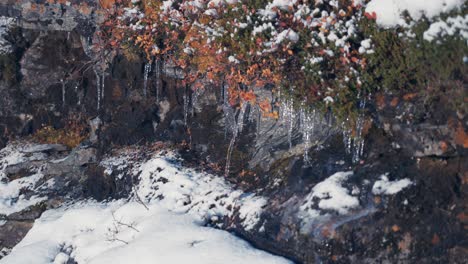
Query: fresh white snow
column 11, row 199
column 121, row 232
column 164, row 222
column 5, row 24
column 332, row 195
column 384, row 186
column 450, row 27
column 389, row 12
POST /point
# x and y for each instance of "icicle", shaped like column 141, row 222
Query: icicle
column 100, row 82
column 359, row 140
column 77, row 94
column 288, row 116
column 347, row 138
column 145, row 77
column 103, row 84
column 194, row 104
column 63, row 92
column 186, row 106
column 238, row 128
column 157, row 72
column 229, row 114
column 98, row 89
column 307, row 126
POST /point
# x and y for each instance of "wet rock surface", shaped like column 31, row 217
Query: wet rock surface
column 57, row 73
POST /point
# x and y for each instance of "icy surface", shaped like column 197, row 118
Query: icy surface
column 389, row 12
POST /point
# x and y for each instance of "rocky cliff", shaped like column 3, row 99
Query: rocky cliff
column 52, row 75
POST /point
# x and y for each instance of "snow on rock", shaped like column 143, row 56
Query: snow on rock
column 250, row 210
column 5, row 25
column 389, row 12
column 126, row 232
column 452, row 26
column 332, row 195
column 386, row 187
column 183, row 190
column 165, row 221
column 11, row 198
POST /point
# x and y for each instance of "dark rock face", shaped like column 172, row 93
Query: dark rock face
column 58, row 73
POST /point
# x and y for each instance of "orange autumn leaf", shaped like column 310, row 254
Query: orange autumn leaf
column 248, row 96
column 265, row 106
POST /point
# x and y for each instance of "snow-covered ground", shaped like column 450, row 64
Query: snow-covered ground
column 171, row 215
column 126, row 232
column 165, row 221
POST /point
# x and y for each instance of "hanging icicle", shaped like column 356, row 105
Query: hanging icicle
column 63, row 92
column 307, row 122
column 100, row 78
column 288, row 117
column 147, row 70
column 78, row 96
column 237, row 128
column 98, row 89
column 157, row 72
column 186, row 107
column 195, row 95
column 229, row 113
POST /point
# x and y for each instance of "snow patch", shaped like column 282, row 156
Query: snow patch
column 332, row 195
column 165, row 221
column 389, row 12
column 11, row 198
column 452, row 26
column 5, row 24
column 386, row 187
column 120, row 232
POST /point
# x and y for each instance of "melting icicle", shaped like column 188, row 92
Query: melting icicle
column 195, row 95
column 255, row 116
column 237, row 128
column 145, row 77
column 347, row 139
column 103, row 84
column 288, row 116
column 98, row 88
column 229, row 114
column 354, row 143
column 63, row 92
column 157, row 72
column 186, row 108
column 307, row 121
column 100, row 78
column 77, row 94
column 359, row 140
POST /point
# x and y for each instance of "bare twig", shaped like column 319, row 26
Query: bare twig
column 119, row 222
column 138, row 199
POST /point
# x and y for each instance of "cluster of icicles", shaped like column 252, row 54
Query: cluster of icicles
column 295, row 119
